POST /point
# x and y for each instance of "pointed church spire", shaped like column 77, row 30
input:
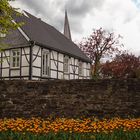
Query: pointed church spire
column 67, row 32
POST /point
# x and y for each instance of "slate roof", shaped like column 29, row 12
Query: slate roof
column 47, row 36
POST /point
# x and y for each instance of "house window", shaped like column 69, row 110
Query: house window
column 80, row 68
column 15, row 58
column 45, row 63
column 66, row 64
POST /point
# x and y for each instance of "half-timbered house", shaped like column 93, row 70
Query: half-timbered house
column 38, row 51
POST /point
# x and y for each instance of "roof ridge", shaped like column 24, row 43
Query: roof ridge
column 44, row 33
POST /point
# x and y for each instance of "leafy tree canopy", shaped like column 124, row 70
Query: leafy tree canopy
column 6, row 12
column 124, row 65
column 6, row 20
column 99, row 44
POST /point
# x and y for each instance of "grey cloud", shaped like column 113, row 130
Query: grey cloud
column 130, row 18
column 39, row 7
column 82, row 7
column 52, row 11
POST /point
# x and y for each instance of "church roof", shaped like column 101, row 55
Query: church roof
column 47, row 36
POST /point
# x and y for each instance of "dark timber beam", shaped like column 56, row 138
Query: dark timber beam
column 31, row 60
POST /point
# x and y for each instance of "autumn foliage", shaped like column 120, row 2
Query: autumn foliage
column 98, row 45
column 122, row 66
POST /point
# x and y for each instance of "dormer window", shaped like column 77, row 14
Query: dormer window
column 66, row 64
column 15, row 58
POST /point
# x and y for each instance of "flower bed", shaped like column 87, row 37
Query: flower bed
column 69, row 129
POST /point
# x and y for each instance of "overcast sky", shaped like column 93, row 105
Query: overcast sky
column 120, row 16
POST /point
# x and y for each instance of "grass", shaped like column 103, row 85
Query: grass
column 116, row 135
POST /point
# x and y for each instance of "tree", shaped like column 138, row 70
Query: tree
column 6, row 21
column 122, row 66
column 99, row 44
column 6, row 12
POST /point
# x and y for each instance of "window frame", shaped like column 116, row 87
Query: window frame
column 67, row 64
column 17, row 59
column 80, row 68
column 43, row 69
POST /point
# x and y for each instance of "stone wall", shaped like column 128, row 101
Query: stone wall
column 74, row 98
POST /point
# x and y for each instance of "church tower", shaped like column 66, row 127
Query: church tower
column 67, row 32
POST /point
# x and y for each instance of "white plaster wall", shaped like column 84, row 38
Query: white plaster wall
column 5, row 72
column 66, row 77
column 54, row 55
column 27, row 50
column 84, row 65
column 72, row 61
column 7, row 53
column 36, row 49
column 87, row 73
column 35, row 78
column 15, row 72
column 80, row 77
column 53, row 66
column 25, row 71
column 71, row 70
column 88, row 66
column 61, row 57
column 36, row 71
column 53, row 74
column 71, row 66
column 76, row 62
column 26, row 78
column 76, row 77
column 5, row 58
column 60, row 66
column 4, row 62
column 71, row 76
column 24, row 61
column 37, row 62
column 76, row 72
column 89, row 70
column 84, row 69
column 60, row 75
